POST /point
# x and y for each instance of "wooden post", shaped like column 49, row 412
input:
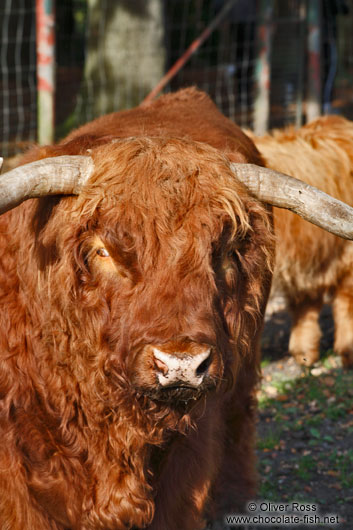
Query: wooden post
column 45, row 26
column 301, row 64
column 313, row 104
column 263, row 68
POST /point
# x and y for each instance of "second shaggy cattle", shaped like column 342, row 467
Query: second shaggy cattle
column 314, row 266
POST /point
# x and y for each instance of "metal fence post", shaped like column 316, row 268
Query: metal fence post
column 45, row 27
column 263, row 68
column 301, row 65
column 313, row 104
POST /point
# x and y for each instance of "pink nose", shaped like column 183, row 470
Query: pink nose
column 181, row 368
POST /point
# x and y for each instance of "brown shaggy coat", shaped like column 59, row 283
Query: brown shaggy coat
column 163, row 246
column 314, row 266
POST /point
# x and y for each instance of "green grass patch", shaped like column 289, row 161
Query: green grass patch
column 269, row 442
column 342, row 462
column 304, row 466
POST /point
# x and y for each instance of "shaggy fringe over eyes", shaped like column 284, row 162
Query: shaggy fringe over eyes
column 200, row 176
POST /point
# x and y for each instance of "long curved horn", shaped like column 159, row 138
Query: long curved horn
column 67, row 174
column 310, row 203
column 60, row 175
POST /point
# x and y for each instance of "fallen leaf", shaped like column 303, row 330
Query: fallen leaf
column 287, row 405
column 329, row 380
column 348, row 423
column 336, row 486
column 332, row 473
column 282, row 397
column 314, row 432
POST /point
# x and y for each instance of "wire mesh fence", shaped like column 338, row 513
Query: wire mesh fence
column 17, row 74
column 111, row 53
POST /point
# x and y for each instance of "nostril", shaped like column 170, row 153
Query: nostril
column 161, row 366
column 203, row 367
column 181, row 367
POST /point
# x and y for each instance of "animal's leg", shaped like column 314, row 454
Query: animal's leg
column 305, row 335
column 237, row 479
column 343, row 317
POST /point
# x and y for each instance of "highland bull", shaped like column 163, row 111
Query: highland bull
column 132, row 302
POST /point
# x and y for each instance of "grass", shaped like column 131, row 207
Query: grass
column 271, row 441
column 306, row 437
column 305, row 465
column 343, row 463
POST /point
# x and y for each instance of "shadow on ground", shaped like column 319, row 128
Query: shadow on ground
column 305, row 428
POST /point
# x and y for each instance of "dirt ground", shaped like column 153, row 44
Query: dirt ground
column 305, row 429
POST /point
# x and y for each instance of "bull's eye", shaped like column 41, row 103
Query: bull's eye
column 102, row 252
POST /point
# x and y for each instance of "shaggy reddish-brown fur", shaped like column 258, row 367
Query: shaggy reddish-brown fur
column 313, row 266
column 85, row 442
